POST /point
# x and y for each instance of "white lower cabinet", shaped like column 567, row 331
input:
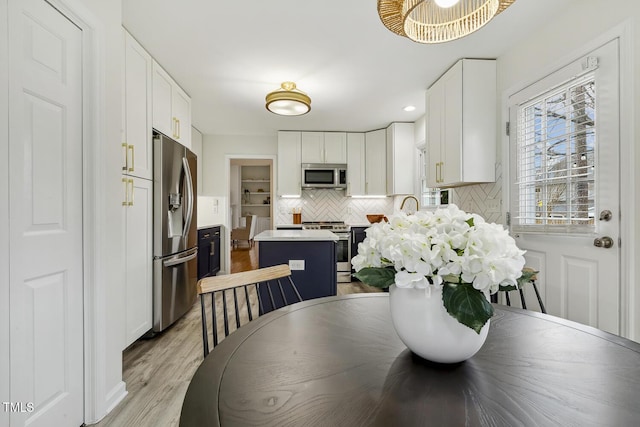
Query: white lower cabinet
column 138, row 252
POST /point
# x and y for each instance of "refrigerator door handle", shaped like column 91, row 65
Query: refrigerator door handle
column 189, row 188
column 177, row 261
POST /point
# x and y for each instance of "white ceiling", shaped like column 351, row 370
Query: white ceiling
column 227, row 55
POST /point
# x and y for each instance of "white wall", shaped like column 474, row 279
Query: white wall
column 196, row 147
column 216, row 147
column 562, row 38
column 5, row 372
column 216, row 151
column 109, row 268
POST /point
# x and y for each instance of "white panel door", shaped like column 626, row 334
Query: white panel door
column 45, row 165
column 580, row 281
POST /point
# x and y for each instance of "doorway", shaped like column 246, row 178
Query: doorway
column 565, row 186
column 251, row 191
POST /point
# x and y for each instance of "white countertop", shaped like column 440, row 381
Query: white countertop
column 295, row 236
column 200, row 227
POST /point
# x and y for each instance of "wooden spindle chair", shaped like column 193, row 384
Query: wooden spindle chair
column 520, row 290
column 269, row 288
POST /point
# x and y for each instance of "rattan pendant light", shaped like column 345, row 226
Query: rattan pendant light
column 288, row 101
column 426, row 21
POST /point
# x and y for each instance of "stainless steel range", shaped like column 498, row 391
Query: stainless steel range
column 343, row 231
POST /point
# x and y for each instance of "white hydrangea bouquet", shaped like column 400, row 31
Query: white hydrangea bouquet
column 448, row 249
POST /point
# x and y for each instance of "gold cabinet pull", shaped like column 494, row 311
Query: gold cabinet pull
column 133, row 162
column 125, row 159
column 437, row 172
column 126, row 193
column 131, row 186
column 176, row 128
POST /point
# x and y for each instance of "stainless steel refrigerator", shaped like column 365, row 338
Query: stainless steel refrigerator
column 175, row 236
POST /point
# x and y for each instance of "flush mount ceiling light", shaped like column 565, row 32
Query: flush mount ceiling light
column 288, row 101
column 437, row 21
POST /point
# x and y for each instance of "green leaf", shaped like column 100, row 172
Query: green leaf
column 470, row 222
column 378, row 277
column 466, row 304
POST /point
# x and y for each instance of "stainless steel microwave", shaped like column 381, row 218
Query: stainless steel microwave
column 324, row 175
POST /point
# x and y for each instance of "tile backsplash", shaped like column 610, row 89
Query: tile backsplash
column 332, row 205
column 483, row 199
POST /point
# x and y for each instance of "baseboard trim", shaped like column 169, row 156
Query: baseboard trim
column 115, row 396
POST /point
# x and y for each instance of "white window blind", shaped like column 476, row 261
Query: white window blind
column 555, row 160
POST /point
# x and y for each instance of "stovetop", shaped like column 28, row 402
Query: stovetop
column 325, row 225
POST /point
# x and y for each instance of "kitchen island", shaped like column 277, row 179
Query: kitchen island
column 311, row 255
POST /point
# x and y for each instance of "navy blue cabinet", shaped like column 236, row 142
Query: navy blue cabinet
column 208, row 252
column 358, row 234
column 319, row 276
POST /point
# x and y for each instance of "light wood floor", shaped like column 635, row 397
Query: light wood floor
column 157, row 371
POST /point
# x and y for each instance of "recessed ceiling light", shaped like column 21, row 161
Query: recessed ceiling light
column 409, row 108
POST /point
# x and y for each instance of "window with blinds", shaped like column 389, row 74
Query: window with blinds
column 555, row 160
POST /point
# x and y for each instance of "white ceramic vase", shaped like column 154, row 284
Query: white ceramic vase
column 425, row 327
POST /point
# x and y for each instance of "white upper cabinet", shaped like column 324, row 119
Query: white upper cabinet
column 312, row 147
column 324, row 147
column 461, row 125
column 137, row 155
column 335, row 147
column 401, row 154
column 289, row 161
column 171, row 107
column 375, row 163
column 355, row 164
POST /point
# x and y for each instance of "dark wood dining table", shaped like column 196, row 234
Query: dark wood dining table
column 337, row 361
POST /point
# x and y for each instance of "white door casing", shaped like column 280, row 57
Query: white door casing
column 46, row 240
column 579, row 281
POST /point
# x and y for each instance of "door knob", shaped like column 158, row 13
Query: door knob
column 603, row 242
column 605, row 215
